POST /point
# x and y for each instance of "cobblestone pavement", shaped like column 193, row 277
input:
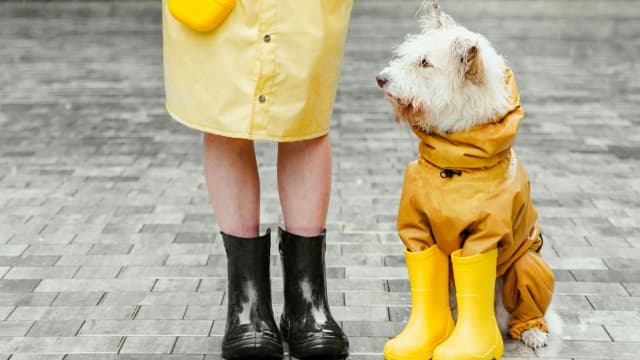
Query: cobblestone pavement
column 108, row 246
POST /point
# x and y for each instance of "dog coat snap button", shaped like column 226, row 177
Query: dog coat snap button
column 262, row 98
column 448, row 173
column 267, row 38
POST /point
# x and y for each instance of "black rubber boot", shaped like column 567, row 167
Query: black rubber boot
column 306, row 323
column 251, row 331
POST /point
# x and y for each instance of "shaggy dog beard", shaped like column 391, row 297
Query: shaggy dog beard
column 408, row 111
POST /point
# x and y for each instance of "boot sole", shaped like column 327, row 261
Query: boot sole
column 413, row 357
column 252, row 349
column 315, row 349
column 319, row 350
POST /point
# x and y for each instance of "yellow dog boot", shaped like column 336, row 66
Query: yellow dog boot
column 476, row 335
column 430, row 322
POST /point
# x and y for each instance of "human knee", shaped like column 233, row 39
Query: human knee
column 215, row 141
column 317, row 143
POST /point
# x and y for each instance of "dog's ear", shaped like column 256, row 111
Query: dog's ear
column 467, row 54
column 432, row 17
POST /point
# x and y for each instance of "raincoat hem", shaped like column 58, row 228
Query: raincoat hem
column 242, row 135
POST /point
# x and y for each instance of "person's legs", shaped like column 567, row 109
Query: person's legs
column 231, row 173
column 232, row 179
column 304, row 184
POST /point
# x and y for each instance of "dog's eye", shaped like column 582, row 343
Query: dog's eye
column 425, row 63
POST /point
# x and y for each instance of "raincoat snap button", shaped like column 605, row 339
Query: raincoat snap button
column 262, row 98
column 267, row 38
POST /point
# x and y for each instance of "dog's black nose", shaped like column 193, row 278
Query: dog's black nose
column 382, row 81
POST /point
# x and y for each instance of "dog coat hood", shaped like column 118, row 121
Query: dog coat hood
column 480, row 147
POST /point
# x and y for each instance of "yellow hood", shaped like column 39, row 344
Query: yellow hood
column 480, row 147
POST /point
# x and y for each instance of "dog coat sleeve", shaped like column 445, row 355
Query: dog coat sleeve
column 413, row 224
column 527, row 292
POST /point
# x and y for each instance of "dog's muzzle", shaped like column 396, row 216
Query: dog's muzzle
column 381, row 80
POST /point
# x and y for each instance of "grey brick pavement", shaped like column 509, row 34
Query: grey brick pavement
column 108, row 247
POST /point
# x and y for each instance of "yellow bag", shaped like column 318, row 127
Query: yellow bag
column 201, row 15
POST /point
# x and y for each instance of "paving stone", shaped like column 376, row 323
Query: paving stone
column 176, row 285
column 178, row 271
column 575, row 263
column 58, row 249
column 89, row 298
column 189, row 260
column 590, row 288
column 12, row 250
column 194, row 237
column 585, row 333
column 162, row 298
column 90, row 285
column 110, row 249
column 148, row 345
column 607, row 276
column 633, row 288
column 26, row 299
column 98, row 272
column 198, row 345
column 146, row 327
column 206, row 312
column 37, row 357
column 51, row 328
column 18, row 285
column 5, row 311
column 41, row 272
column 624, row 333
column 601, row 317
column 162, row 312
column 14, row 327
column 133, row 357
column 58, row 345
column 28, row 260
column 110, row 260
column 592, row 350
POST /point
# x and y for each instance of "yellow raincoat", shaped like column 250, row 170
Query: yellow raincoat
column 469, row 191
column 270, row 71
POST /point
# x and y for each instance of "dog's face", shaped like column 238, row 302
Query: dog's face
column 445, row 77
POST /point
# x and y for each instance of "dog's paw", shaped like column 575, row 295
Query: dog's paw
column 535, row 338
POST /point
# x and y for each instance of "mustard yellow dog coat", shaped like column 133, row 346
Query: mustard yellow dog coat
column 269, row 71
column 469, row 191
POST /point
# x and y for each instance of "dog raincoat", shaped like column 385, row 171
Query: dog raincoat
column 270, row 71
column 469, row 190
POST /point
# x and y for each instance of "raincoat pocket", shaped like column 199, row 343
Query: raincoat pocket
column 201, row 15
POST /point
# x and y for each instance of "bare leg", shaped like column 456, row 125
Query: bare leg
column 304, row 183
column 231, row 173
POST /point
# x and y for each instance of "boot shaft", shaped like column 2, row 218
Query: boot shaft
column 303, row 268
column 248, row 278
column 476, row 334
column 429, row 275
column 306, row 322
column 475, row 280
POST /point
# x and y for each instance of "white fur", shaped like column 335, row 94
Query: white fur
column 451, row 102
column 535, row 338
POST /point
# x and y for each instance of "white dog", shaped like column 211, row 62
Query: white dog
column 449, row 80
